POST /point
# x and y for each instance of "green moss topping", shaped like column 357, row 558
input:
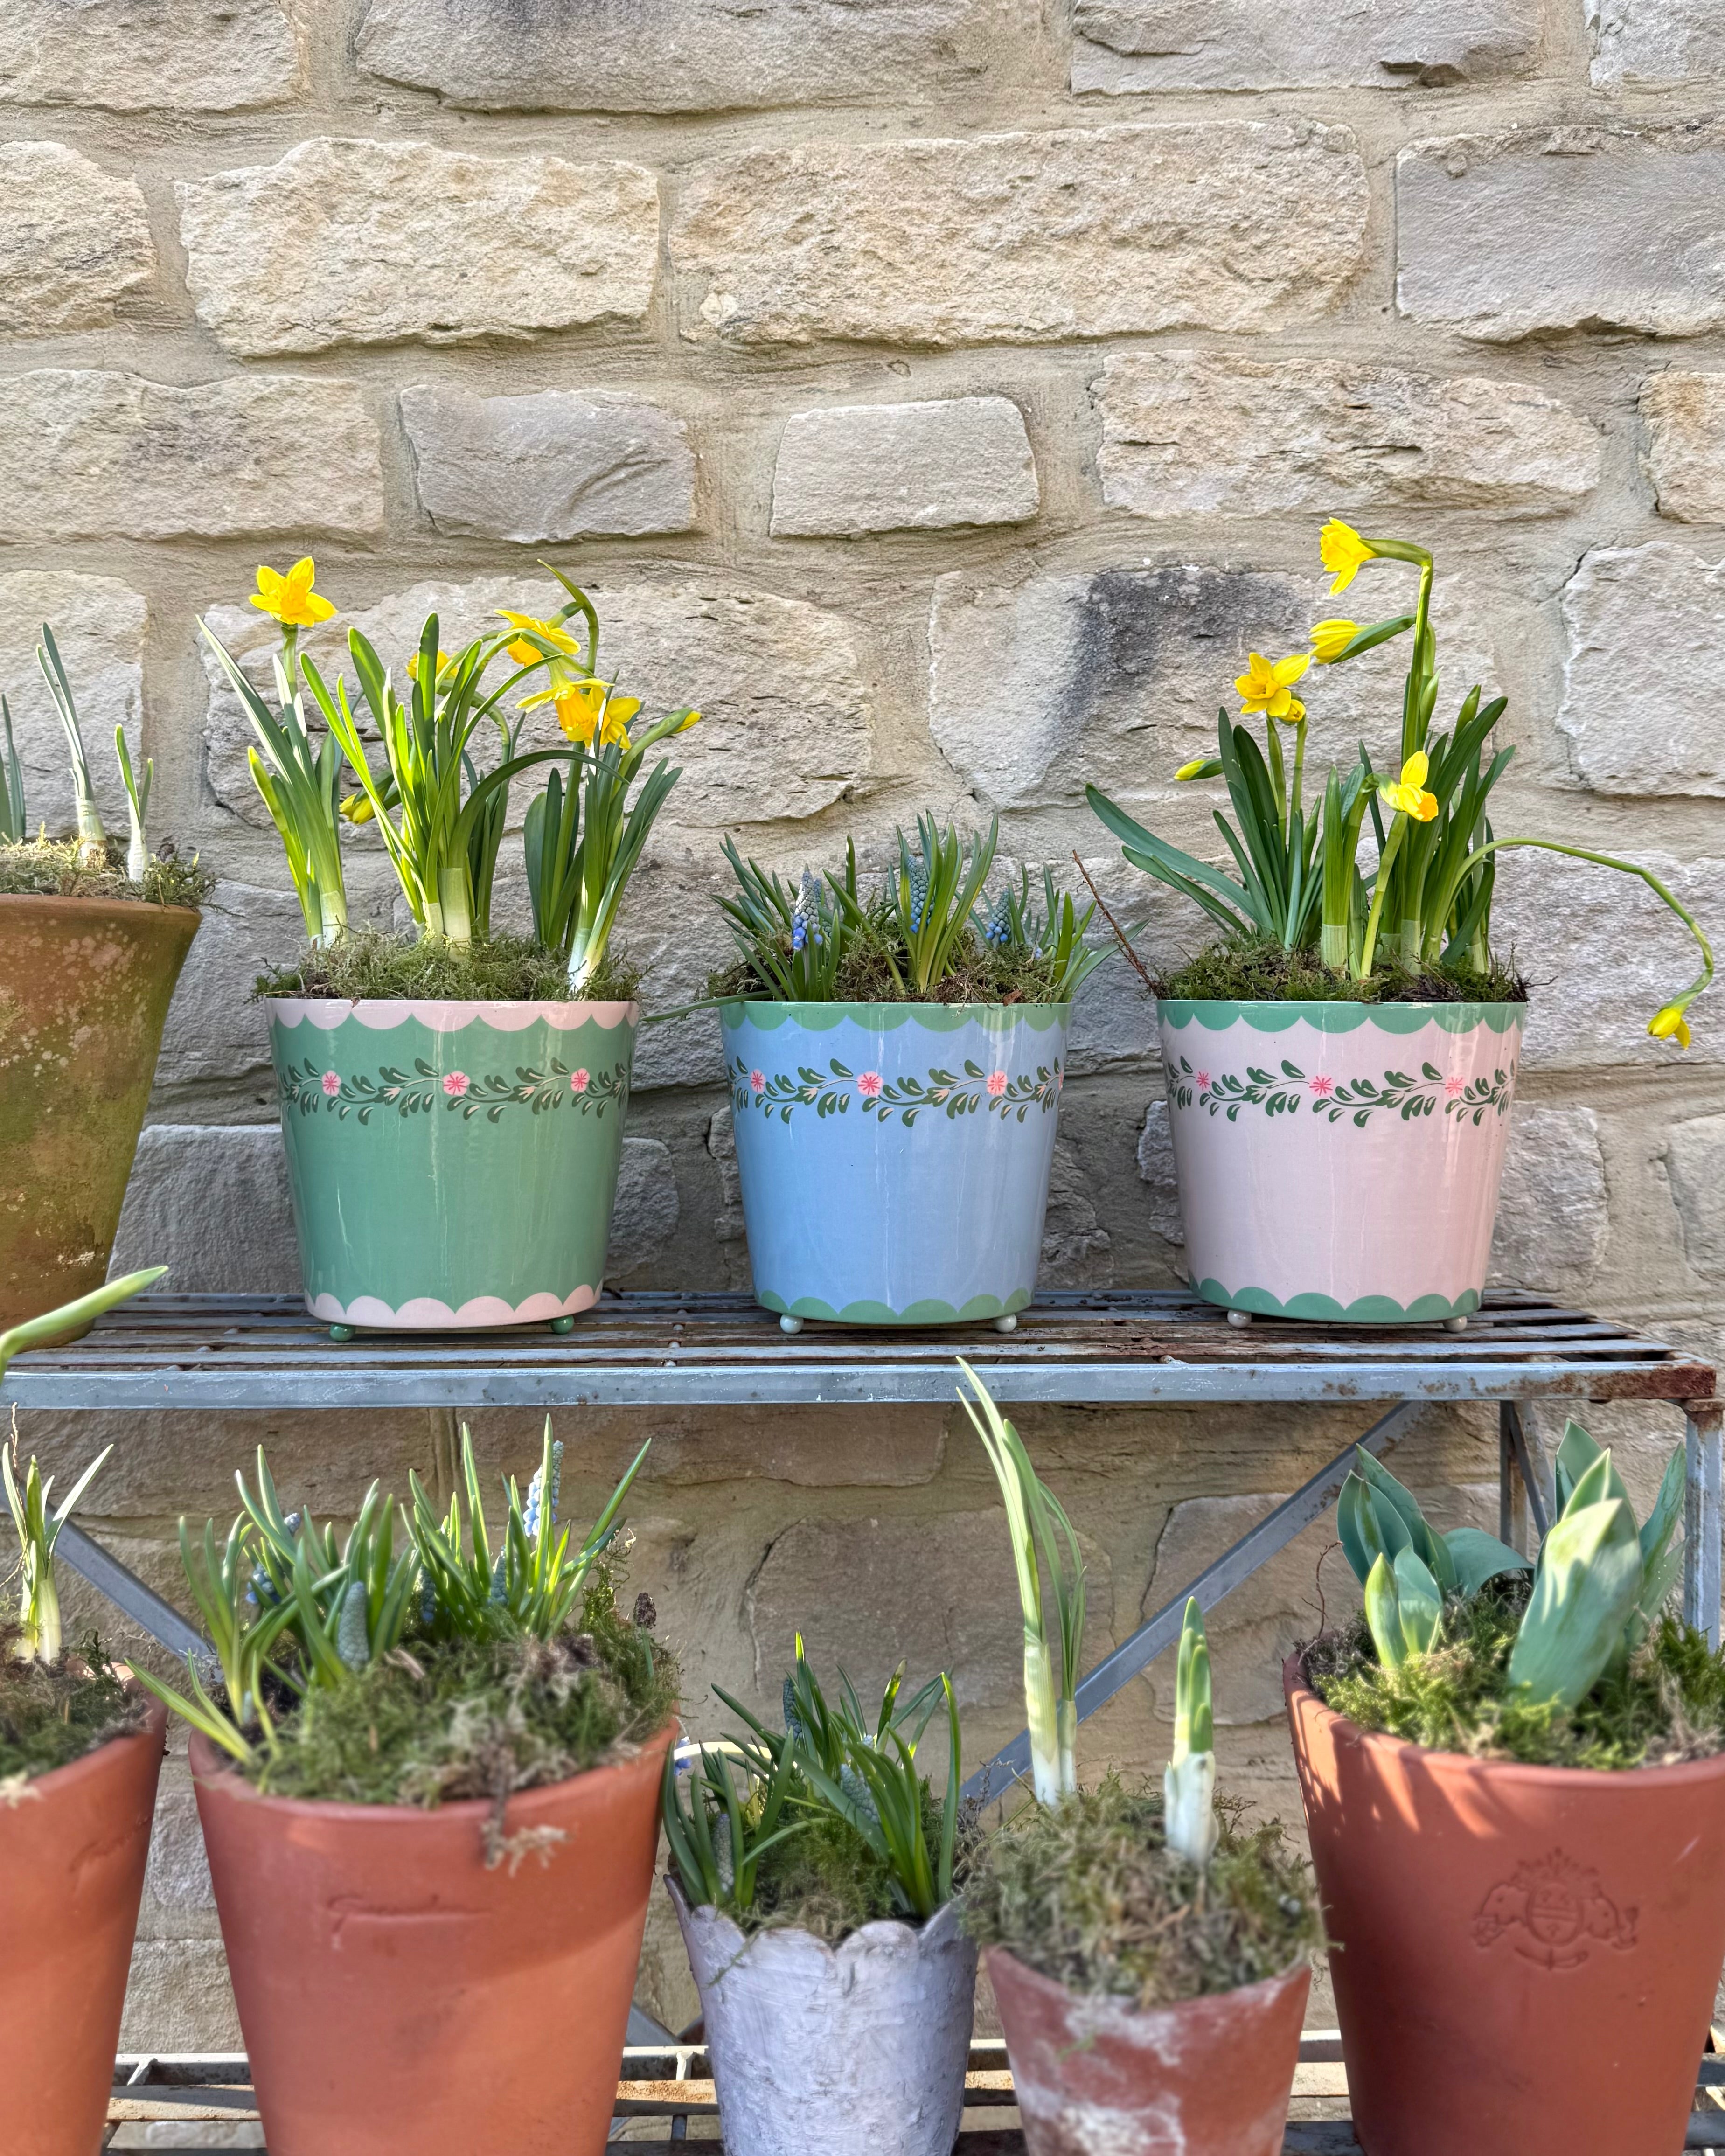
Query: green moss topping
column 1092, row 1895
column 1263, row 973
column 49, row 1717
column 369, row 964
column 55, row 868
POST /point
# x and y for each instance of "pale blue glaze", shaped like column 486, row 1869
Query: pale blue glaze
column 916, row 1201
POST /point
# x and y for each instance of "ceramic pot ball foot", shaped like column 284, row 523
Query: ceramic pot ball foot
column 1455, row 1324
column 562, row 1325
column 341, row 1334
column 1009, row 1323
column 1240, row 1319
column 789, row 1324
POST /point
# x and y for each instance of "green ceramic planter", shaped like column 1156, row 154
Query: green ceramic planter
column 451, row 1164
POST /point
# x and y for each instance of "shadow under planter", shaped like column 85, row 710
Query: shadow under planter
column 895, row 1157
column 1340, row 1160
column 451, row 1164
column 85, row 987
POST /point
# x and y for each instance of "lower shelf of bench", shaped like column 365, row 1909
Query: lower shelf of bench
column 665, row 2098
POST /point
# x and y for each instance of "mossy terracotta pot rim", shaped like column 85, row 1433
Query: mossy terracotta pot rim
column 102, row 907
column 210, row 1764
column 85, row 1768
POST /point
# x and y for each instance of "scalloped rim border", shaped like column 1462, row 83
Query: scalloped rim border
column 424, row 1313
column 887, row 1018
column 930, row 1310
column 327, row 1012
column 1364, row 1310
column 1178, row 1011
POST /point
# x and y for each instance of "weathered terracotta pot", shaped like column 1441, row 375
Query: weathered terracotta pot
column 1527, row 1955
column 397, row 1999
column 85, row 987
column 1098, row 2077
column 854, row 2050
column 72, row 1855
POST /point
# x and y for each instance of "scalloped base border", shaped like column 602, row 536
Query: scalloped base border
column 424, row 1313
column 929, row 1310
column 1364, row 1310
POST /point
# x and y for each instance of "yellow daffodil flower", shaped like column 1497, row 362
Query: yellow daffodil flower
column 1330, row 639
column 692, row 720
column 1344, row 553
column 290, row 599
column 553, row 633
column 1408, row 793
column 443, row 661
column 356, row 809
column 1195, row 769
column 1670, row 1024
column 1267, row 688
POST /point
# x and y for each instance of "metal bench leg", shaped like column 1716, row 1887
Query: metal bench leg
column 1701, row 1520
column 1521, row 1484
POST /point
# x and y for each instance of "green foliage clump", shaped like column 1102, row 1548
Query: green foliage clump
column 53, row 1713
column 1090, row 1894
column 827, row 1879
column 434, row 1721
column 368, row 963
column 62, row 868
column 1666, row 1704
column 1260, row 971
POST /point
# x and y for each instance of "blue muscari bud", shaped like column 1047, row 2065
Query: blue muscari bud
column 353, row 1637
column 919, row 893
column 497, row 1575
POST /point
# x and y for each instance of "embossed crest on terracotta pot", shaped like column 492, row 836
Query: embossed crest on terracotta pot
column 452, row 1163
column 895, row 1157
column 1340, row 1160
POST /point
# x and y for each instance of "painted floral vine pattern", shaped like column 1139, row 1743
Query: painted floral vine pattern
column 831, row 1091
column 1222, row 1093
column 309, row 1088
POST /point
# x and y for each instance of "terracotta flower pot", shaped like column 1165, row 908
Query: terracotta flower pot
column 1099, row 2077
column 72, row 1848
column 1527, row 1955
column 85, row 987
column 854, row 2050
column 1299, row 1129
column 397, row 1999
column 451, row 1164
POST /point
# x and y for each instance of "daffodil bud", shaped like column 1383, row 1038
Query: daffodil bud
column 1670, row 1024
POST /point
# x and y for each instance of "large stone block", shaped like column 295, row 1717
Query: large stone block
column 687, row 55
column 783, row 688
column 1114, row 676
column 1196, row 434
column 88, row 455
column 1078, row 1250
column 1156, row 1168
column 1656, row 41
column 1645, row 627
column 864, row 1593
column 552, row 466
column 178, row 1876
column 210, row 1202
column 1130, row 45
column 1695, row 1159
column 178, row 1997
column 904, row 467
column 1553, row 1220
column 1684, row 414
column 74, row 240
column 99, row 625
column 372, row 242
column 216, row 1032
column 644, row 1216
column 1503, row 236
column 1605, row 953
column 1023, row 239
column 136, row 55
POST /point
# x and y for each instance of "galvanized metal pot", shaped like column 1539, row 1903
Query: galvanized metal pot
column 399, row 1998
column 85, row 987
column 1527, row 1954
column 1340, row 1160
column 895, row 1157
column 856, row 2050
column 73, row 1849
column 451, row 1164
column 1101, row 2077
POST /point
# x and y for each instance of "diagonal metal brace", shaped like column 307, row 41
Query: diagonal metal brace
column 1235, row 1566
column 128, row 1592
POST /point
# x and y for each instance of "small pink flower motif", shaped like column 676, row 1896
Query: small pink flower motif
column 455, row 1084
column 997, row 1083
column 1322, row 1087
column 1203, row 1082
column 758, row 1081
column 868, row 1084
column 1455, row 1087
column 331, row 1082
column 577, row 1081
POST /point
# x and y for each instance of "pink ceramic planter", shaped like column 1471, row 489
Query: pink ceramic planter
column 1340, row 1161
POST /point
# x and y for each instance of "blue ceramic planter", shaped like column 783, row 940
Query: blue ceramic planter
column 894, row 1156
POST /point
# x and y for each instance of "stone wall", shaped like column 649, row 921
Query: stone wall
column 942, row 395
